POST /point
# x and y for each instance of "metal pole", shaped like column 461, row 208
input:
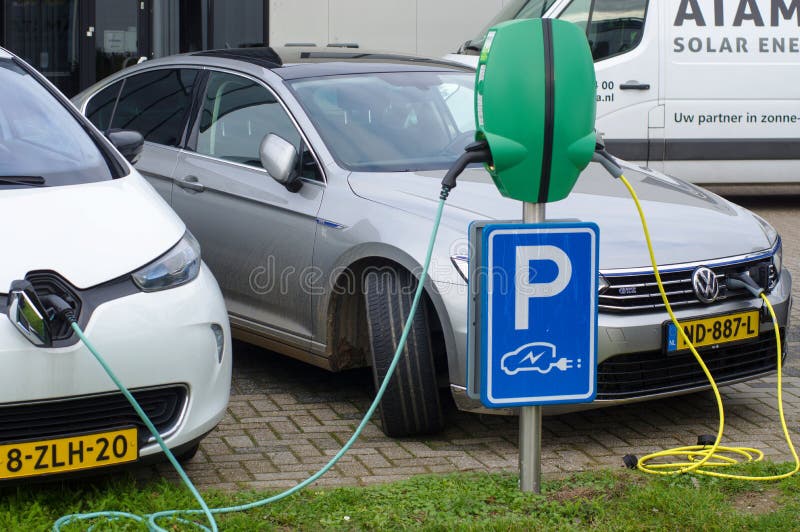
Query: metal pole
column 530, row 417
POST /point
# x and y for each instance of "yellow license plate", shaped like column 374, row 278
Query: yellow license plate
column 713, row 331
column 45, row 457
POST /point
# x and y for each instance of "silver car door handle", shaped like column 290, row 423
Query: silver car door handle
column 191, row 183
column 634, row 86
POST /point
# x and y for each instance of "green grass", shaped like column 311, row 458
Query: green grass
column 602, row 500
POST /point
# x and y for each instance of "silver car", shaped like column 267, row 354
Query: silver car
column 310, row 178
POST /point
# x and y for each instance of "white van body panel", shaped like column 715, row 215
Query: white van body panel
column 709, row 96
column 730, row 81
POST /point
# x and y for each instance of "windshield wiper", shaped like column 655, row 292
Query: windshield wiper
column 29, row 180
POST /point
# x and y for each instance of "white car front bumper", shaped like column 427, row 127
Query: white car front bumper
column 149, row 340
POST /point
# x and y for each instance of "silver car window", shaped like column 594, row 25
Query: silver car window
column 156, row 103
column 40, row 138
column 237, row 114
column 101, row 107
column 392, row 121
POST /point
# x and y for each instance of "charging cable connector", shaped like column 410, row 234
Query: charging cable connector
column 58, row 309
column 477, row 152
column 742, row 281
column 606, row 159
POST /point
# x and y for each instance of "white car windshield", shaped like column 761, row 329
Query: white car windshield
column 41, row 143
column 392, row 122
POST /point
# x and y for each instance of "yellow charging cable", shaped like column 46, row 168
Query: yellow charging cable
column 700, row 458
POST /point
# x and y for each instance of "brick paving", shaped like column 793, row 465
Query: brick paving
column 286, row 418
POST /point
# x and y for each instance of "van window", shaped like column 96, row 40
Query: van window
column 613, row 27
column 155, row 103
column 517, row 9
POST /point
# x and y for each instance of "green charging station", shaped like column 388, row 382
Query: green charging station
column 535, row 107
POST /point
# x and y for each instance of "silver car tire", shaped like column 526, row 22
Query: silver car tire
column 411, row 404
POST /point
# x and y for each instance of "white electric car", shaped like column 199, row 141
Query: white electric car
column 83, row 233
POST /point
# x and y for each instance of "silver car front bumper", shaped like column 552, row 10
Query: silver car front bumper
column 626, row 334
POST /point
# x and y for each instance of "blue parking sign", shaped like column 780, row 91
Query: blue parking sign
column 539, row 314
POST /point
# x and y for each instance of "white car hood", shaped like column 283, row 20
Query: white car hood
column 88, row 233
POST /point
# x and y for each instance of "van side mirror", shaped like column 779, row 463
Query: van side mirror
column 279, row 159
column 129, row 143
column 28, row 315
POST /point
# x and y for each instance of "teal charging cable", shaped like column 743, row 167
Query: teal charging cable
column 151, row 519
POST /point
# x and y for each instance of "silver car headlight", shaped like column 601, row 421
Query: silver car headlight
column 777, row 261
column 176, row 267
column 602, row 284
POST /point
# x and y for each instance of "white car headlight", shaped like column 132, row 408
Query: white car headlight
column 176, row 267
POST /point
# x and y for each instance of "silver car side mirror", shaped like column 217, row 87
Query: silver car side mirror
column 279, row 158
column 28, row 315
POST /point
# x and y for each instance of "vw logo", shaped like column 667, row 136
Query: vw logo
column 705, row 285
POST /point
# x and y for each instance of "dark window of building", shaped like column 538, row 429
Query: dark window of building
column 155, row 104
column 237, row 114
column 612, row 27
column 193, row 27
column 46, row 35
column 117, row 35
column 101, row 107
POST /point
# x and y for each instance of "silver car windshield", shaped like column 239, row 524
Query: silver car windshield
column 41, row 143
column 392, row 122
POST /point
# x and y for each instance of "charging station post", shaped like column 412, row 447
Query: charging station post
column 536, row 324
column 530, row 417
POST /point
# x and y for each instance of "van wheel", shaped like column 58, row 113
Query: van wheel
column 410, row 405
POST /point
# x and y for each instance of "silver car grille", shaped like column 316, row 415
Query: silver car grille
column 628, row 293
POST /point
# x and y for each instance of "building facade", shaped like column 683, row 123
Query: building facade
column 77, row 42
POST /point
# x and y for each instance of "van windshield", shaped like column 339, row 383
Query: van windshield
column 518, row 9
column 41, row 142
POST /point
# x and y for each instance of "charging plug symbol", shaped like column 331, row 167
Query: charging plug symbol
column 539, row 357
column 563, row 364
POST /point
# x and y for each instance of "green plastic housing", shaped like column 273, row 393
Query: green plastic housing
column 535, row 105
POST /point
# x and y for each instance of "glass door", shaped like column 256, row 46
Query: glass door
column 120, row 35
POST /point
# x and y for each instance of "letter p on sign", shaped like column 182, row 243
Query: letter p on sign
column 526, row 285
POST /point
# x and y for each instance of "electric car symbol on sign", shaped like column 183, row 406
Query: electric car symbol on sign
column 310, row 177
column 83, row 231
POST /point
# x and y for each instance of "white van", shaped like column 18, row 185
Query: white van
column 704, row 90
